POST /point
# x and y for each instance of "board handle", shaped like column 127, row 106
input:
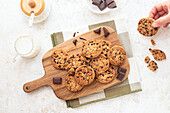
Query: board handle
column 33, row 85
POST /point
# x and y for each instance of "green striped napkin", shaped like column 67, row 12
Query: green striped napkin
column 130, row 85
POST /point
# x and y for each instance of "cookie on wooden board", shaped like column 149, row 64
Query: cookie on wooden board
column 59, row 59
column 153, row 66
column 84, row 75
column 117, row 55
column 71, row 84
column 145, row 27
column 158, row 55
column 107, row 76
column 100, row 64
column 74, row 61
column 59, row 53
column 91, row 48
column 106, row 45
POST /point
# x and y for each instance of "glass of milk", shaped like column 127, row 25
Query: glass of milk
column 27, row 46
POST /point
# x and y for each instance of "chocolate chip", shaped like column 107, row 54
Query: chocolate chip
column 96, row 2
column 155, row 28
column 75, row 42
column 27, row 87
column 83, row 38
column 106, row 32
column 102, row 6
column 98, row 31
column 57, row 80
column 112, row 5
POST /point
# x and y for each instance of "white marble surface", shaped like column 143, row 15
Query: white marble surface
column 68, row 14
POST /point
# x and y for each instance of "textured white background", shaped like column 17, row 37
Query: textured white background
column 68, row 14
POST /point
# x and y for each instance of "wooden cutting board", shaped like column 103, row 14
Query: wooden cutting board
column 50, row 72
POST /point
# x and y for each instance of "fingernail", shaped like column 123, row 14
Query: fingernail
column 155, row 24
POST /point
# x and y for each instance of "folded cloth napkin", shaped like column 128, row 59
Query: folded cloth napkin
column 130, row 85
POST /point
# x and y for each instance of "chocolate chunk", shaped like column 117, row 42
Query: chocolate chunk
column 112, row 5
column 109, row 1
column 83, row 38
column 75, row 42
column 74, row 34
column 96, row 2
column 57, row 80
column 122, row 70
column 120, row 76
column 102, row 6
column 106, row 32
column 98, row 31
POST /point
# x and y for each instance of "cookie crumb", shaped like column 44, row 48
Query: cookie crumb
column 158, row 55
column 152, row 42
column 147, row 59
column 153, row 66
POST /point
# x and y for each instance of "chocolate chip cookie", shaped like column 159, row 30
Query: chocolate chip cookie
column 91, row 49
column 59, row 59
column 147, row 59
column 157, row 54
column 100, row 64
column 106, row 45
column 153, row 66
column 71, row 84
column 107, row 76
column 84, row 75
column 145, row 27
column 74, row 61
column 59, row 53
column 117, row 55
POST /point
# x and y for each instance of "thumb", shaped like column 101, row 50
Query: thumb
column 161, row 21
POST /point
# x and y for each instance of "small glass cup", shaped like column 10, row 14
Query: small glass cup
column 27, row 46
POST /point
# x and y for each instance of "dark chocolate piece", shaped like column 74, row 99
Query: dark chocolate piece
column 57, row 80
column 83, row 38
column 112, row 5
column 98, row 31
column 74, row 34
column 122, row 70
column 120, row 76
column 96, row 2
column 109, row 1
column 106, row 32
column 102, row 6
column 75, row 42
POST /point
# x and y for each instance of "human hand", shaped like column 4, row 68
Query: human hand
column 161, row 13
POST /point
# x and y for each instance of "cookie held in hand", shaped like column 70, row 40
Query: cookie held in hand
column 145, row 27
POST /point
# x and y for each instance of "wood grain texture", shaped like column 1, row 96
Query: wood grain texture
column 50, row 72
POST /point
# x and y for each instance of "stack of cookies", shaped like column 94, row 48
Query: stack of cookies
column 98, row 61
